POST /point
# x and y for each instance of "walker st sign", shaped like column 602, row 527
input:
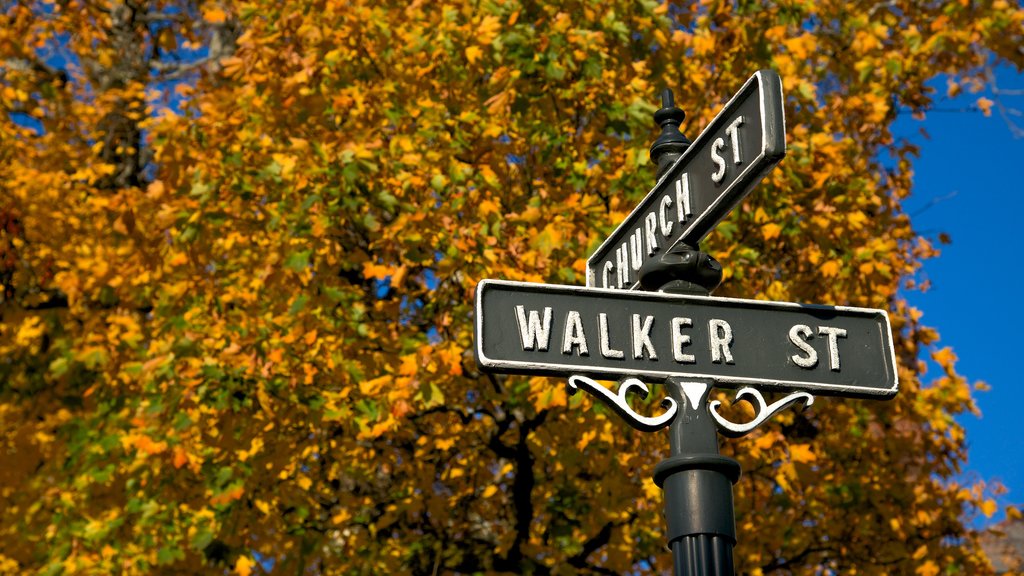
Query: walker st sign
column 527, row 328
column 728, row 158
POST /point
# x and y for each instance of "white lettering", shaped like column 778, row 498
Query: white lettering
column 642, row 337
column 679, row 340
column 606, row 274
column 683, row 198
column 734, row 134
column 574, row 335
column 650, row 225
column 534, row 334
column 636, row 249
column 799, row 335
column 720, row 338
column 833, row 344
column 663, row 222
column 716, row 157
column 606, row 348
column 622, row 265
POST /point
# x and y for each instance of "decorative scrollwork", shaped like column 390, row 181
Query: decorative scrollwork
column 617, row 402
column 764, row 411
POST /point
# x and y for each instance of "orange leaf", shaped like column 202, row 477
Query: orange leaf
column 180, row 458
column 243, row 566
column 215, row 16
column 771, row 230
column 945, row 357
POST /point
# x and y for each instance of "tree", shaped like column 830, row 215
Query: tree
column 239, row 251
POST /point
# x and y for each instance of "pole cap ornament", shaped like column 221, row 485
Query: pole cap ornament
column 671, row 144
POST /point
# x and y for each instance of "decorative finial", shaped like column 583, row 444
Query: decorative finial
column 671, row 143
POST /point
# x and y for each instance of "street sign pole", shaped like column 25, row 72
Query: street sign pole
column 696, row 479
column 647, row 313
column 697, row 482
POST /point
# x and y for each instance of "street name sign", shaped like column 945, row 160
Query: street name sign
column 527, row 328
column 729, row 157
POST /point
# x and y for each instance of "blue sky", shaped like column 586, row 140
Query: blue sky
column 969, row 183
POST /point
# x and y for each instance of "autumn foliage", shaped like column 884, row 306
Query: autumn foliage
column 239, row 242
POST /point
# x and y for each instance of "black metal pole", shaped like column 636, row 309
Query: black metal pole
column 697, row 482
column 696, row 479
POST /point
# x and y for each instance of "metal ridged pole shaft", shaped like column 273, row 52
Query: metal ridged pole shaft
column 697, row 482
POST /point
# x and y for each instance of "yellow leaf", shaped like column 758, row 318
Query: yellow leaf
column 30, row 329
column 473, row 54
column 801, row 453
column 988, row 508
column 929, row 568
column 243, row 566
column 379, row 428
column 703, row 43
column 782, row 477
column 985, row 105
column 771, row 230
column 488, row 29
column 374, row 386
column 286, row 162
column 801, row 46
column 830, row 269
column 409, row 365
column 304, row 482
column 765, row 442
column 921, row 552
column 490, row 491
column 486, row 207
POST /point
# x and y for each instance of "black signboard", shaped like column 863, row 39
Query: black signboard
column 728, row 158
column 563, row 330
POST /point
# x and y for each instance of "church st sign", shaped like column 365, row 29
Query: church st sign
column 549, row 329
column 722, row 166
